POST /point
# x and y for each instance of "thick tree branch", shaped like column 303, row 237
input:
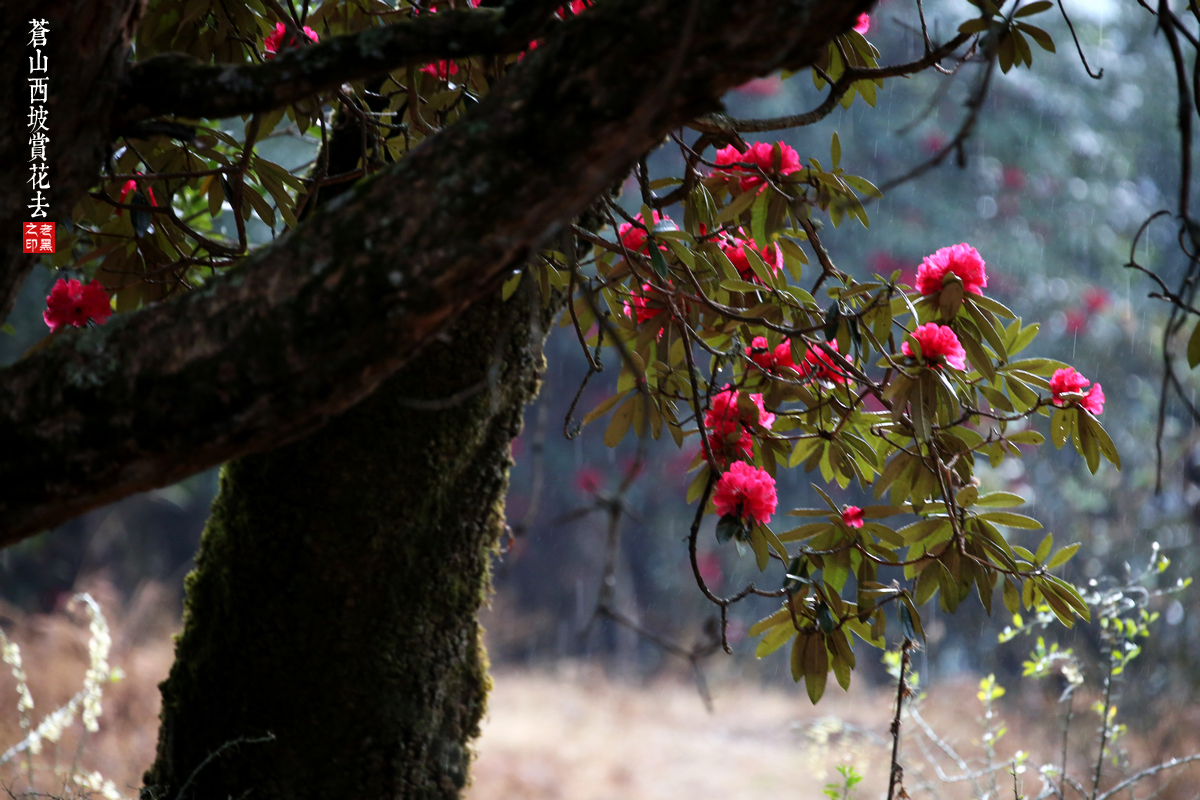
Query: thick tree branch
column 718, row 123
column 312, row 324
column 174, row 83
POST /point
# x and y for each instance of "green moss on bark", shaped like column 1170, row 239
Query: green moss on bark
column 335, row 596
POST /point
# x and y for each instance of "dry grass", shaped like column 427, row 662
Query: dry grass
column 574, row 734
column 570, row 732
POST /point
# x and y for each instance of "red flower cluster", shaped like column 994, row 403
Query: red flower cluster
column 961, row 259
column 644, row 305
column 73, row 303
column 634, row 236
column 938, row 341
column 729, row 428
column 574, row 7
column 761, row 155
column 131, row 185
column 771, row 360
column 273, row 43
column 1068, row 381
column 735, row 250
column 864, row 24
column 442, row 70
column 747, row 492
column 819, row 364
column 853, row 515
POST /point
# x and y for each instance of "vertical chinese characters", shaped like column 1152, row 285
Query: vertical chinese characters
column 39, row 139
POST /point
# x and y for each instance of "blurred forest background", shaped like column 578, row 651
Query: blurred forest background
column 1061, row 172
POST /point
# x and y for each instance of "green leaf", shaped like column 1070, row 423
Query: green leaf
column 1011, row 520
column 835, row 150
column 605, row 406
column 977, row 25
column 1044, row 548
column 682, row 253
column 758, row 219
column 657, row 261
column 816, row 666
column 825, row 618
column 1024, row 337
column 506, row 291
column 1044, row 40
column 776, row 638
column 1000, row 500
column 736, row 207
column 766, row 623
column 730, row 527
column 1026, row 437
column 907, row 624
column 618, row 426
column 1061, row 424
column 994, row 306
column 1034, row 8
column 1103, row 440
column 1012, row 597
column 1063, row 555
column 762, row 553
column 863, row 186
column 805, row 531
column 1086, row 442
column 696, row 488
column 1193, row 347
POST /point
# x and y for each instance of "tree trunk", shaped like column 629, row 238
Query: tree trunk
column 334, row 602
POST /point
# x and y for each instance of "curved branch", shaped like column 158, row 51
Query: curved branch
column 174, row 83
column 723, row 124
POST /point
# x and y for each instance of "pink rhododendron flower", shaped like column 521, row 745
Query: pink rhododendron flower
column 938, row 341
column 747, row 492
column 864, row 24
column 762, row 87
column 771, row 360
column 131, row 185
column 1096, row 299
column 588, row 479
column 73, row 303
column 735, row 250
column 961, row 259
column 634, row 237
column 574, row 7
column 729, row 427
column 724, row 412
column 761, row 354
column 818, row 364
column 1068, row 381
column 644, row 305
column 852, row 516
column 934, row 142
column 1093, row 401
column 1014, row 178
column 1077, row 321
column 442, row 70
column 273, row 42
column 762, row 155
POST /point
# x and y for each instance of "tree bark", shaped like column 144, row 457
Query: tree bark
column 311, row 325
column 334, row 602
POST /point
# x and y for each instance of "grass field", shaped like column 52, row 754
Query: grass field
column 568, row 731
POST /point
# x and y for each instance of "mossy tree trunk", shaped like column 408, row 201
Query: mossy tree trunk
column 334, row 601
